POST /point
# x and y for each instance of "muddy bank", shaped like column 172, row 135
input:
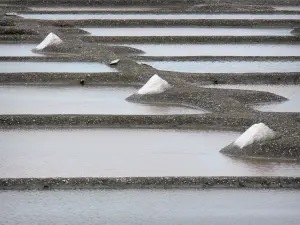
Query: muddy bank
column 210, row 121
column 20, row 38
column 147, row 2
column 8, row 30
column 148, row 182
column 130, row 79
column 231, row 8
column 110, row 78
column 183, row 22
column 186, row 9
column 238, row 78
column 193, row 39
column 4, row 23
column 209, row 99
column 296, row 31
column 270, row 149
column 286, row 123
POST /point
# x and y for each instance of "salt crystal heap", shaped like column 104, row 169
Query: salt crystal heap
column 155, row 85
column 114, row 62
column 50, row 40
column 257, row 132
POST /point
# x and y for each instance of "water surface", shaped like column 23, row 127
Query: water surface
column 226, row 66
column 148, row 207
column 291, row 92
column 18, row 50
column 127, row 152
column 139, row 16
column 54, row 67
column 218, row 49
column 78, row 100
column 190, row 31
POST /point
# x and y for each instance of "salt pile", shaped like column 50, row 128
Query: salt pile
column 50, row 40
column 155, row 85
column 257, row 132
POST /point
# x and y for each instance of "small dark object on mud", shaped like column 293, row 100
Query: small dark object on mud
column 82, row 82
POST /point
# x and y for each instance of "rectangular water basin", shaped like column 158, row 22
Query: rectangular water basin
column 127, row 152
column 190, row 31
column 18, row 50
column 292, row 92
column 162, row 207
column 218, row 49
column 79, row 100
column 149, row 16
column 54, row 67
column 226, row 66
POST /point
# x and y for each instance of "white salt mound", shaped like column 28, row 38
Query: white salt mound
column 114, row 62
column 11, row 14
column 257, row 132
column 154, row 85
column 50, row 40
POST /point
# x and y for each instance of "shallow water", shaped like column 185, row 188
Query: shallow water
column 191, row 31
column 127, row 152
column 218, row 49
column 162, row 207
column 136, row 16
column 54, row 67
column 18, row 50
column 292, row 92
column 226, row 66
column 78, row 100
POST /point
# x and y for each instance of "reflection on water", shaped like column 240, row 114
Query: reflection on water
column 162, row 207
column 79, row 100
column 190, row 31
column 71, row 67
column 218, row 49
column 226, row 66
column 123, row 152
column 137, row 16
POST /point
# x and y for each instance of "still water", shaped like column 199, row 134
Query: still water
column 148, row 207
column 79, row 100
column 18, row 50
column 54, row 67
column 127, row 152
